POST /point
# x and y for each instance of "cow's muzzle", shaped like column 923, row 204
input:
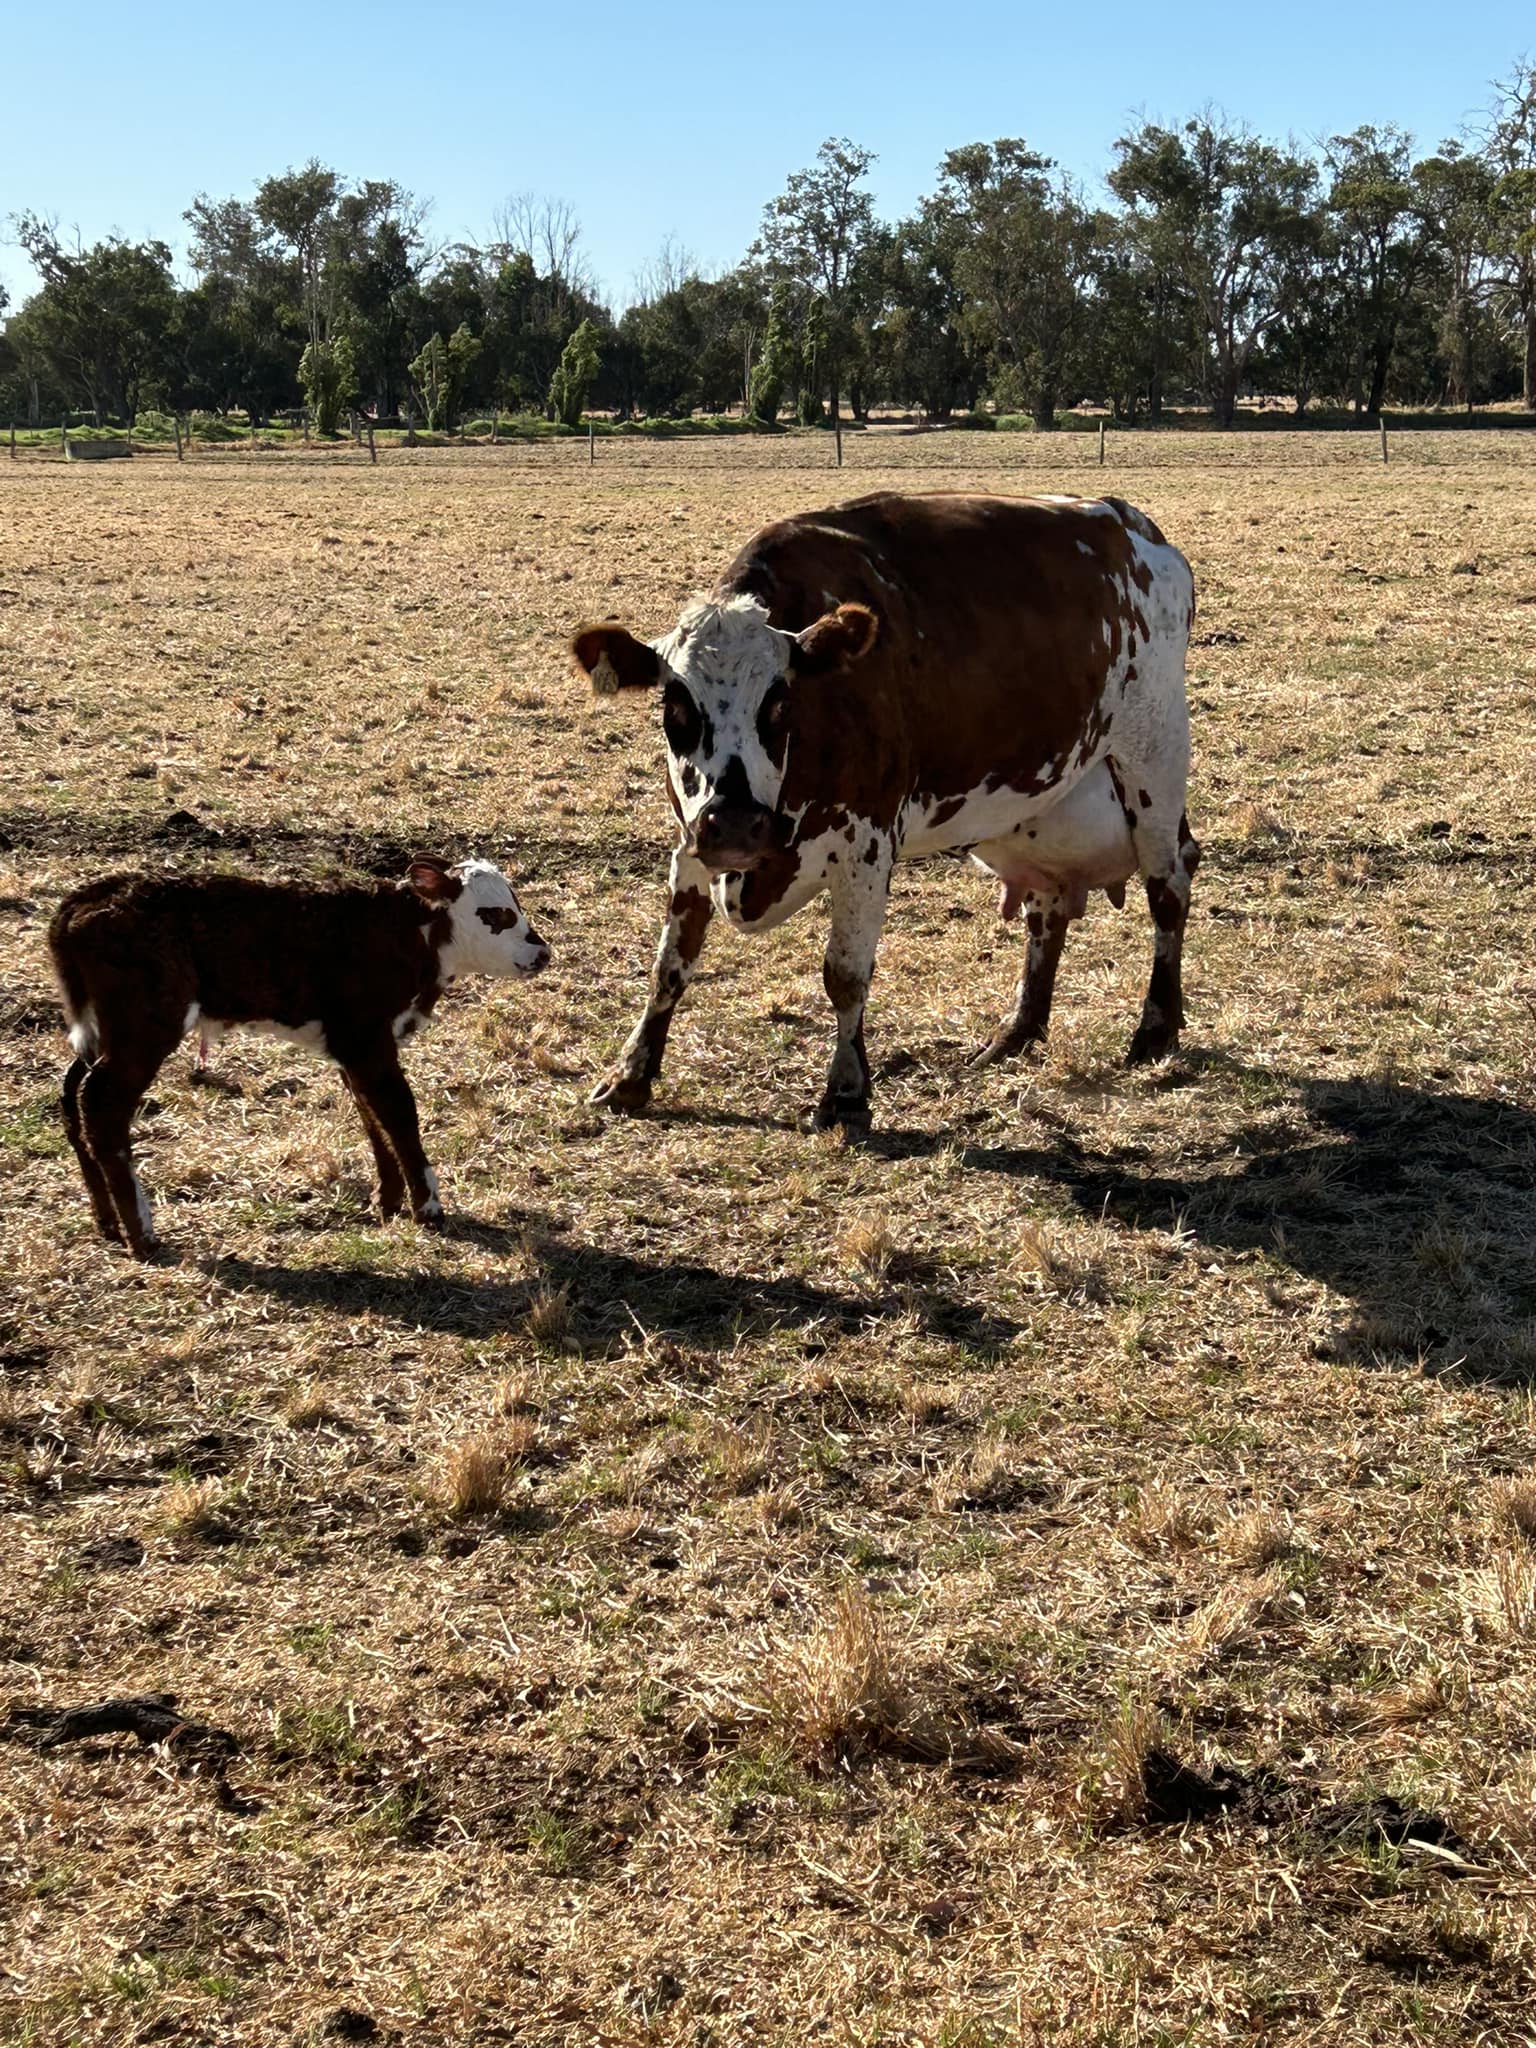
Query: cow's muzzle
column 730, row 838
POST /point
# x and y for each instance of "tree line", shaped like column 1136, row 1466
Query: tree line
column 1350, row 275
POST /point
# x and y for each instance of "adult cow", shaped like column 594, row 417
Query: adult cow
column 909, row 675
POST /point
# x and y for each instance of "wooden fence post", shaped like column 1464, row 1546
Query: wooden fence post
column 253, row 429
column 13, row 440
column 64, row 435
column 373, row 454
column 495, row 422
column 1383, row 441
column 837, row 435
column 176, row 430
column 1101, row 444
column 591, row 445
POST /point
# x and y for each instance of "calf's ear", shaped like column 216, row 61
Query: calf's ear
column 837, row 640
column 614, row 658
column 431, row 878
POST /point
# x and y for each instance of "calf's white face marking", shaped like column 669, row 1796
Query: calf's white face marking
column 488, row 933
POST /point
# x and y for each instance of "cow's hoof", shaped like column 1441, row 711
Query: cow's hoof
column 1149, row 1046
column 1007, row 1045
column 627, row 1094
column 835, row 1112
column 429, row 1219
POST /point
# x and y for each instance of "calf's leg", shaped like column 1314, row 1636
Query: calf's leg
column 859, row 892
column 385, row 1097
column 391, row 1180
column 102, row 1205
column 108, row 1096
column 689, row 909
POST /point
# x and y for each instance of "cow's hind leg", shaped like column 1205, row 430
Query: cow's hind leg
column 859, row 891
column 1046, row 918
column 102, row 1206
column 1167, row 855
column 689, row 909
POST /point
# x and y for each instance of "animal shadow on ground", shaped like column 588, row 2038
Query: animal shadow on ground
column 611, row 1292
column 1418, row 1209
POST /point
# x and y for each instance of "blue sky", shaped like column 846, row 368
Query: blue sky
column 672, row 117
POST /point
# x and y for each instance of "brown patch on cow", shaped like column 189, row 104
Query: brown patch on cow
column 931, row 710
column 1165, row 904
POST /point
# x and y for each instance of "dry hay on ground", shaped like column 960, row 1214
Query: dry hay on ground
column 1060, row 1571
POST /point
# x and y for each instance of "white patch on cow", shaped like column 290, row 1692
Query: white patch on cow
column 407, row 1024
column 810, row 878
column 1081, row 843
column 189, row 1022
column 1086, row 547
column 433, row 1206
column 85, row 1034
column 490, row 944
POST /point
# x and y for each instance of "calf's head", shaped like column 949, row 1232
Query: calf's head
column 729, row 683
column 487, row 930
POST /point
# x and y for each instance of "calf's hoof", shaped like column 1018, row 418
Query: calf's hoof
column 627, row 1094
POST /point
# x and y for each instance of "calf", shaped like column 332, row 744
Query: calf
column 142, row 960
column 903, row 676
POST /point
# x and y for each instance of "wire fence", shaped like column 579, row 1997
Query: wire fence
column 933, row 451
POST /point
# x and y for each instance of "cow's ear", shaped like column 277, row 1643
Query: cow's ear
column 432, row 878
column 836, row 641
column 614, row 658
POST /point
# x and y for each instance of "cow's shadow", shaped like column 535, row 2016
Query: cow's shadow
column 612, row 1293
column 1417, row 1209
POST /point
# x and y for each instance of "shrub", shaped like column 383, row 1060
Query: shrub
column 974, row 422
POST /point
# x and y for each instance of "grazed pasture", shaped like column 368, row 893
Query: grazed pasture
column 1062, row 1570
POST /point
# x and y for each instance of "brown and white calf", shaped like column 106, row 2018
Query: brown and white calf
column 909, row 675
column 349, row 972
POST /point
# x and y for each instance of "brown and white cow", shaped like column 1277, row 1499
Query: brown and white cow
column 910, row 675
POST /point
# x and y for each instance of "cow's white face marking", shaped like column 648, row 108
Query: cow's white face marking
column 488, row 932
column 723, row 693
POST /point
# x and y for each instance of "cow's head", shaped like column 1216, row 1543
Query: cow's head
column 488, row 932
column 728, row 686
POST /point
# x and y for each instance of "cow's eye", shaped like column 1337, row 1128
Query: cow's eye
column 680, row 720
column 773, row 716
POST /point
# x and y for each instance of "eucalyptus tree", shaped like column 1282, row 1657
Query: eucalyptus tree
column 1229, row 211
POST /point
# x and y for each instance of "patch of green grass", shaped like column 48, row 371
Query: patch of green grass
column 561, row 1845
column 36, row 1130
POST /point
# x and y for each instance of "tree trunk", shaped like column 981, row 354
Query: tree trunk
column 1155, row 396
column 1529, row 392
column 1044, row 409
column 1224, row 398
column 1380, row 359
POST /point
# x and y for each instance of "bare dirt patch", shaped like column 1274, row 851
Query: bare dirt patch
column 1054, row 1571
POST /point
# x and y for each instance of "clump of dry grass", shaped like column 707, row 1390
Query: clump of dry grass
column 844, row 1689
column 1261, row 1537
column 867, row 1243
column 308, row 1404
column 190, row 1509
column 985, row 1477
column 734, row 1459
column 1114, row 1773
column 1163, row 1519
column 548, row 1321
column 1513, row 1502
column 1503, row 1595
column 473, row 1476
column 1230, row 1619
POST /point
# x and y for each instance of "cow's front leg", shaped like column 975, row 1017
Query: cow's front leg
column 628, row 1086
column 859, row 893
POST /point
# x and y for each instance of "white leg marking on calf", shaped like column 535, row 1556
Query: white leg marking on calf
column 433, row 1206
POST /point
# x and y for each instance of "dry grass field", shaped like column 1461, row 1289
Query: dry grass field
column 1060, row 1570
